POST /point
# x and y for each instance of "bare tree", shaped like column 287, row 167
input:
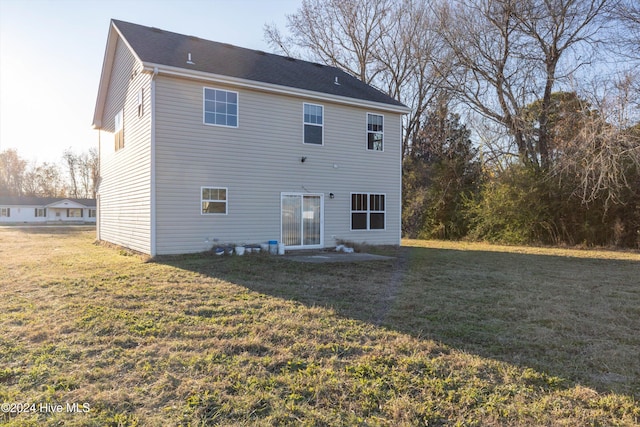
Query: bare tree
column 44, row 180
column 603, row 156
column 88, row 164
column 510, row 53
column 341, row 33
column 627, row 15
column 82, row 170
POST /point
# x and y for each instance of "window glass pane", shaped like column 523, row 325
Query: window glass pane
column 358, row 221
column 232, row 109
column 313, row 114
column 214, row 207
column 221, row 95
column 374, row 141
column 232, row 121
column 206, row 194
column 232, row 97
column 222, row 194
column 312, row 134
column 209, row 95
column 221, row 107
column 221, row 119
column 376, row 221
column 210, row 118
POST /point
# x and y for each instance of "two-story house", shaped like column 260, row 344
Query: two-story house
column 205, row 143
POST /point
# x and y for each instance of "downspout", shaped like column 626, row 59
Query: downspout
column 152, row 164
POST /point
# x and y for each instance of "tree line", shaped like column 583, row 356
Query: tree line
column 525, row 122
column 75, row 176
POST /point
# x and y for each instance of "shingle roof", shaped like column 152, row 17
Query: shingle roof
column 41, row 201
column 160, row 47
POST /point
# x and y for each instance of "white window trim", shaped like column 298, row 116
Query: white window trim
column 226, row 202
column 41, row 212
column 313, row 124
column 366, row 127
column 368, row 211
column 204, row 110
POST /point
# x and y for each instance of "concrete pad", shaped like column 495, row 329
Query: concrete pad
column 322, row 257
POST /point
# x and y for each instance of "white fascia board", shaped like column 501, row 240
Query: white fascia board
column 107, row 68
column 271, row 88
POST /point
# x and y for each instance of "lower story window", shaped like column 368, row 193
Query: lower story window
column 74, row 213
column 367, row 211
column 92, row 213
column 41, row 212
column 214, row 200
column 5, row 212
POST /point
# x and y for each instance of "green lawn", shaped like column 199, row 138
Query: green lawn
column 444, row 334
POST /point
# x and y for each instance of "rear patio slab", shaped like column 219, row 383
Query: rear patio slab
column 322, row 257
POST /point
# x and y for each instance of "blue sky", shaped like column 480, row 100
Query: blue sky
column 51, row 54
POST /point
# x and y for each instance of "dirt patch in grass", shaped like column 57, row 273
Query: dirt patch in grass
column 433, row 337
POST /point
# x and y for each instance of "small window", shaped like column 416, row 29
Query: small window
column 140, row 102
column 214, row 201
column 5, row 212
column 119, row 130
column 374, row 132
column 367, row 211
column 92, row 213
column 313, row 124
column 41, row 212
column 220, row 107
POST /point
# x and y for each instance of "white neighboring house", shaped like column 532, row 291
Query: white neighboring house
column 205, row 143
column 46, row 210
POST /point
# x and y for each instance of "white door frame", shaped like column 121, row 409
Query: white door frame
column 302, row 195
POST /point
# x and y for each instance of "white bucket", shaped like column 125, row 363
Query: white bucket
column 280, row 248
column 240, row 250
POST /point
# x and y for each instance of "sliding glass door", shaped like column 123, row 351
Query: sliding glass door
column 302, row 222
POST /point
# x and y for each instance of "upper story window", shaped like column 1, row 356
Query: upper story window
column 374, row 132
column 119, row 130
column 313, row 124
column 220, row 107
column 214, row 200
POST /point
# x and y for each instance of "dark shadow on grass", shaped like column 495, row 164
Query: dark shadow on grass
column 576, row 319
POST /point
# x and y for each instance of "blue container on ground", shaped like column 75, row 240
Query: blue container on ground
column 273, row 247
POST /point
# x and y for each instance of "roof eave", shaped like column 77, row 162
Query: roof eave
column 269, row 87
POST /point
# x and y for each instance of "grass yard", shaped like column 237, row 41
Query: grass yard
column 445, row 334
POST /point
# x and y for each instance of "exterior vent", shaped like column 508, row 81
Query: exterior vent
column 189, row 61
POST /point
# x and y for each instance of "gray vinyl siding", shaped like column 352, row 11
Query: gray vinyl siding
column 258, row 161
column 124, row 190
